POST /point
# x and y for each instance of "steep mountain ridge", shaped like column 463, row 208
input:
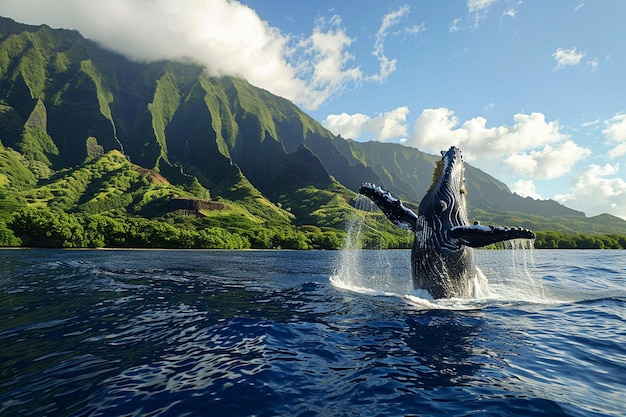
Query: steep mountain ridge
column 64, row 99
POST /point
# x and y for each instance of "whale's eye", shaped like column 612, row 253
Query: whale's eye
column 441, row 206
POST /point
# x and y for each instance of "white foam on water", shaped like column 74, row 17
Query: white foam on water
column 339, row 282
column 509, row 285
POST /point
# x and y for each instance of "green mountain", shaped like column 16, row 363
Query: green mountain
column 86, row 131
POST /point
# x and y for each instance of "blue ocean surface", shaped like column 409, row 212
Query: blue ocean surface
column 312, row 333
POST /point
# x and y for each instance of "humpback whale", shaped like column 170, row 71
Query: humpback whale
column 442, row 259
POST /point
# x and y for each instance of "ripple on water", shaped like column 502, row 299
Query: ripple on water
column 108, row 336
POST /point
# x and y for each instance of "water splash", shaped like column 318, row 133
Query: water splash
column 522, row 263
column 368, row 271
column 363, row 203
column 514, row 279
column 347, row 271
column 379, row 273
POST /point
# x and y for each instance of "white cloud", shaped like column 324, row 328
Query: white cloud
column 567, row 57
column 615, row 131
column 478, row 10
column 595, row 193
column 479, row 5
column 327, row 58
column 391, row 19
column 619, row 150
column 391, row 124
column 510, row 12
column 455, row 26
column 349, row 126
column 415, row 29
column 529, row 131
column 436, row 128
column 531, row 146
column 593, row 65
column 550, row 162
column 226, row 36
column 591, row 123
column 616, row 128
column 526, row 188
column 385, row 126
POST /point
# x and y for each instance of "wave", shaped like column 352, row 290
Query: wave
column 422, row 300
column 342, row 283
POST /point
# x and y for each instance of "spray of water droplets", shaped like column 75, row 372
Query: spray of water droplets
column 373, row 272
column 368, row 271
column 522, row 262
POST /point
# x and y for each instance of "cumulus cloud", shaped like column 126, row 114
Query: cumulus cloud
column 224, row 35
column 615, row 131
column 526, row 188
column 550, row 162
column 531, row 146
column 385, row 126
column 597, row 190
column 435, row 128
column 347, row 125
column 567, row 57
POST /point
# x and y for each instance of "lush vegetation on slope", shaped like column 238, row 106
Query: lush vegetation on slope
column 110, row 202
column 560, row 240
column 96, row 150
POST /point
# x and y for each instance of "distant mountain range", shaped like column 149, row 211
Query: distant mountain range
column 69, row 107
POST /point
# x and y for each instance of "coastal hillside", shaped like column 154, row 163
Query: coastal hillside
column 86, row 131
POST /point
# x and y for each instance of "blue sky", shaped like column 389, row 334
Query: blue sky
column 533, row 92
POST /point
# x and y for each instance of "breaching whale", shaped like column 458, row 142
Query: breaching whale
column 442, row 260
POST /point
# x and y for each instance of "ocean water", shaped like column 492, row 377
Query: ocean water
column 313, row 333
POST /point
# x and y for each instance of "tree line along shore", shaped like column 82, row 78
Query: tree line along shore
column 57, row 229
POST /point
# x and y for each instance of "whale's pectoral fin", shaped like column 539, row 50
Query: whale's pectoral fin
column 477, row 235
column 392, row 207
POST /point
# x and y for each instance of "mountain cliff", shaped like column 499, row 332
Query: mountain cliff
column 66, row 102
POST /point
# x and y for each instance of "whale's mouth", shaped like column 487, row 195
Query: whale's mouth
column 449, row 172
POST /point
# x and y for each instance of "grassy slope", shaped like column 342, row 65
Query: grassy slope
column 110, row 184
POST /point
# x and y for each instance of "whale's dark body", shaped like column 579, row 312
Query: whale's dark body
column 442, row 259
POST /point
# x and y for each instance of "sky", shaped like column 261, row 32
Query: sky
column 533, row 92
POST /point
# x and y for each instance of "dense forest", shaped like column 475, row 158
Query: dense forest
column 56, row 229
column 47, row 228
column 559, row 240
